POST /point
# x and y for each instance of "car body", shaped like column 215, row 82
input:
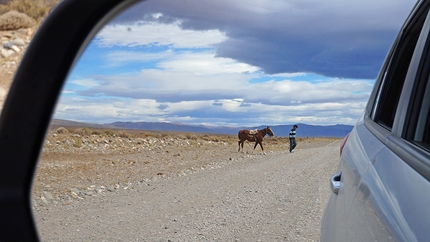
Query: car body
column 381, row 188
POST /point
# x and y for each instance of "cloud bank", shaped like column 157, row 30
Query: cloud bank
column 234, row 63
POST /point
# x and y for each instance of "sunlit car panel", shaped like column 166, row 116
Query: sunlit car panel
column 376, row 196
column 390, row 202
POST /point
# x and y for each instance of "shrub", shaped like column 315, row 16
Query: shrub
column 78, row 143
column 13, row 20
column 62, row 130
column 215, row 139
column 3, row 9
column 182, row 137
column 96, row 132
column 123, row 134
column 82, row 131
column 36, row 9
column 109, row 132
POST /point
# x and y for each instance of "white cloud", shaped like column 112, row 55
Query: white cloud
column 185, row 80
column 149, row 33
column 122, row 58
column 187, row 84
column 111, row 110
column 205, row 63
column 85, row 83
column 289, row 75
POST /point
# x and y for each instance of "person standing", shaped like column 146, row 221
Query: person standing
column 293, row 138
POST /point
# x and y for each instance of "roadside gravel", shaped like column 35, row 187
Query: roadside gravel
column 275, row 197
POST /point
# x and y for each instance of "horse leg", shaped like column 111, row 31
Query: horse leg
column 255, row 145
column 240, row 142
column 261, row 145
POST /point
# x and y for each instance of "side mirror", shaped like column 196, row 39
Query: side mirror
column 31, row 100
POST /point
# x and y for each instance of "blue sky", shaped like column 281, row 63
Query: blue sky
column 234, row 63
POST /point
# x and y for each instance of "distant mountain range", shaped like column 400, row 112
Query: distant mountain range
column 304, row 130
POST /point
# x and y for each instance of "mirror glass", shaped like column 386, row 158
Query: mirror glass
column 159, row 96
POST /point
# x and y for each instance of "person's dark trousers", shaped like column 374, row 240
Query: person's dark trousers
column 292, row 144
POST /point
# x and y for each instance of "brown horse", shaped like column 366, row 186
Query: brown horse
column 257, row 137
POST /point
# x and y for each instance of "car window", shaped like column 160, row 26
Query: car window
column 403, row 98
column 394, row 78
column 416, row 92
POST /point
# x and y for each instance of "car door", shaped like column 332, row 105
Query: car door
column 345, row 185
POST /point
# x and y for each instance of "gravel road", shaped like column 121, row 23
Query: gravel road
column 277, row 197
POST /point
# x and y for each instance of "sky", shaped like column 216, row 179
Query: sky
column 234, row 63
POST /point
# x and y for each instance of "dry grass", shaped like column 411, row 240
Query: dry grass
column 277, row 143
column 15, row 20
column 19, row 14
column 80, row 157
column 36, row 9
column 85, row 131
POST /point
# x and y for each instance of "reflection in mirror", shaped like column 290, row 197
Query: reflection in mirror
column 160, row 67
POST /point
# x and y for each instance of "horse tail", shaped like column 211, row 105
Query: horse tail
column 238, row 134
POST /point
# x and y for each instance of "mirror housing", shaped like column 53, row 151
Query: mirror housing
column 31, row 100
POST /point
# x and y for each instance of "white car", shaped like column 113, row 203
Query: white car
column 381, row 191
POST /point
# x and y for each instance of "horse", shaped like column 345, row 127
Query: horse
column 256, row 137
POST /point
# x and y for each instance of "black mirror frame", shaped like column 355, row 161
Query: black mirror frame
column 31, row 101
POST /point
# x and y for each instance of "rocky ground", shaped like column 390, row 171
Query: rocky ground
column 13, row 46
column 182, row 187
column 117, row 185
column 81, row 162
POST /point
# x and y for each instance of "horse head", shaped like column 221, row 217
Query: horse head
column 269, row 131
